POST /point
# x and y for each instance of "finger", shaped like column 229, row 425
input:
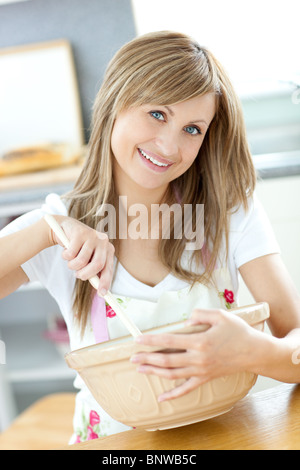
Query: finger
column 72, row 251
column 168, row 340
column 82, row 259
column 106, row 276
column 170, row 374
column 164, row 360
column 188, row 386
column 93, row 266
column 204, row 316
column 102, row 265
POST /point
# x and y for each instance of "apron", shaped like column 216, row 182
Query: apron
column 90, row 420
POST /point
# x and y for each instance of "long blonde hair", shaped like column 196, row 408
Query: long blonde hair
column 167, row 68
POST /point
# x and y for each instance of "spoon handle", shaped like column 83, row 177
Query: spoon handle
column 95, row 281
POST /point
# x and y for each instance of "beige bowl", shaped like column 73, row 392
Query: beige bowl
column 130, row 397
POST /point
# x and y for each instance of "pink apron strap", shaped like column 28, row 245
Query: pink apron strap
column 206, row 256
column 99, row 320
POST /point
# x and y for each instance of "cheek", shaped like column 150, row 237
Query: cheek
column 190, row 153
column 126, row 137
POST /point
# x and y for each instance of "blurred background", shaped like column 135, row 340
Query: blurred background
column 53, row 54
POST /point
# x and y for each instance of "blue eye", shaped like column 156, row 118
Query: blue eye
column 157, row 115
column 193, row 130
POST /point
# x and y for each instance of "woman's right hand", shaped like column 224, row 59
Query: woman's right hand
column 90, row 252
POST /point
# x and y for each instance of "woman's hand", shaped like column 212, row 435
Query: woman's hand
column 90, row 253
column 224, row 349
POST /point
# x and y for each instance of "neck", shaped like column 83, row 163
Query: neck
column 136, row 194
column 135, row 202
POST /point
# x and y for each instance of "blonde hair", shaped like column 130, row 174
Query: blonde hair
column 167, row 68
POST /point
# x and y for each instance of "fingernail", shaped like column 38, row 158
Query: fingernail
column 190, row 323
column 103, row 291
column 139, row 339
column 134, row 359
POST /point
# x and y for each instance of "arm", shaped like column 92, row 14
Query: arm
column 230, row 345
column 89, row 254
column 12, row 281
column 15, row 250
column 19, row 247
column 267, row 278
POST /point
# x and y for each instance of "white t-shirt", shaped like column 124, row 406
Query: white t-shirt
column 250, row 237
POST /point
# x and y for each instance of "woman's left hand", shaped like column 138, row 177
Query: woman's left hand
column 225, row 348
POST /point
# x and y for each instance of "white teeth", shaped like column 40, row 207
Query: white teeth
column 152, row 159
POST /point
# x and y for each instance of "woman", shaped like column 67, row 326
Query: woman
column 167, row 128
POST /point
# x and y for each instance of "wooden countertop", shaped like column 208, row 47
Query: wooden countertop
column 45, row 425
column 66, row 174
column 267, row 420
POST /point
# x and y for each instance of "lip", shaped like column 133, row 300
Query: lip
column 150, row 165
column 156, row 157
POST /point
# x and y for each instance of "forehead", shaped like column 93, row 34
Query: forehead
column 195, row 109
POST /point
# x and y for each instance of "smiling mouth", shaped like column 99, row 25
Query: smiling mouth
column 153, row 160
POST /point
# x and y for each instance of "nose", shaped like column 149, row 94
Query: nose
column 167, row 142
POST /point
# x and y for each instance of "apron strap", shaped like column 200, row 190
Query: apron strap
column 99, row 319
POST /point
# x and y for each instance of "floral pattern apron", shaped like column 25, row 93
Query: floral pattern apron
column 90, row 420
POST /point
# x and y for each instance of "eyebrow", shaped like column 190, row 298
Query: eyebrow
column 197, row 120
column 170, row 110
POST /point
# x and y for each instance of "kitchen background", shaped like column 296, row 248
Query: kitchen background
column 71, row 42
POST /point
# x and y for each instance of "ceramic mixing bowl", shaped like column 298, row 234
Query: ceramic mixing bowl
column 131, row 397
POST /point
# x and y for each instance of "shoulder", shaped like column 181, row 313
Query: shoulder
column 239, row 217
column 251, row 234
column 53, row 205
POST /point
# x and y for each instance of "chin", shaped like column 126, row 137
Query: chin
column 146, row 183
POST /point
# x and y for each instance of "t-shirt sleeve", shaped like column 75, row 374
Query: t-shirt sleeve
column 38, row 268
column 251, row 234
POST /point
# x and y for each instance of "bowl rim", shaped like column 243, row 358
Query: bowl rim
column 253, row 314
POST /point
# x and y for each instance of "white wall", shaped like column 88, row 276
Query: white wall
column 256, row 41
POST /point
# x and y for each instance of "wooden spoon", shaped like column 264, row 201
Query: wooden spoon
column 95, row 281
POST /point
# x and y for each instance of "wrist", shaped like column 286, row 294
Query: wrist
column 264, row 351
column 273, row 357
column 50, row 238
